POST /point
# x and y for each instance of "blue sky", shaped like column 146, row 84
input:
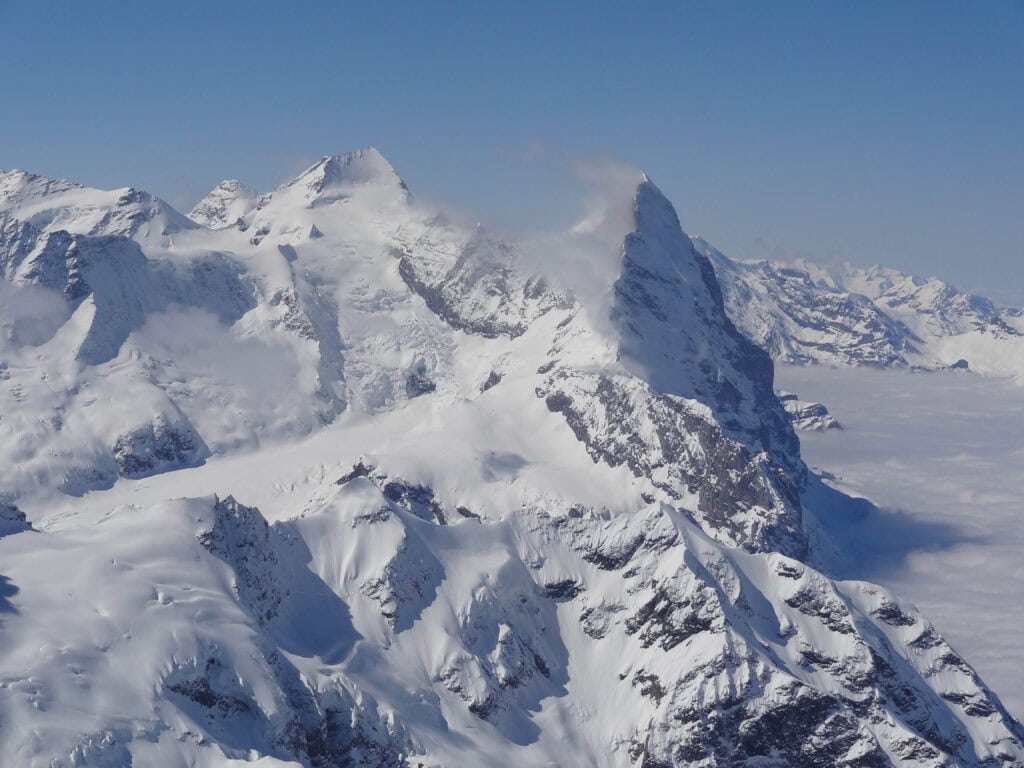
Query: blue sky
column 870, row 131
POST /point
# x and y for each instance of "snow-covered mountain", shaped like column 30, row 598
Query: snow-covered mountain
column 225, row 205
column 842, row 315
column 55, row 205
column 325, row 477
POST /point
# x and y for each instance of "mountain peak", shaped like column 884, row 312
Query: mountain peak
column 225, row 204
column 59, row 204
column 233, row 186
column 652, row 209
column 676, row 335
column 17, row 186
column 364, row 167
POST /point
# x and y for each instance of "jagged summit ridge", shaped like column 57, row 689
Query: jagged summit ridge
column 18, row 185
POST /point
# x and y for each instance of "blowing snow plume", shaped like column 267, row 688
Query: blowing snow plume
column 586, row 258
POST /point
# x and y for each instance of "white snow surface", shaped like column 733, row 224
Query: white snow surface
column 343, row 481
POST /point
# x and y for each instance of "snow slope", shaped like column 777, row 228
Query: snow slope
column 343, row 481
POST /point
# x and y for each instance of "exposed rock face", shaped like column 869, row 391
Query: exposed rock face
column 827, row 676
column 12, row 519
column 241, row 537
column 811, row 417
column 701, row 421
column 160, row 445
column 742, row 497
column 316, row 726
column 736, row 698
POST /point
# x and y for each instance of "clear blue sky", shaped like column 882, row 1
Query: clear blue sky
column 872, row 131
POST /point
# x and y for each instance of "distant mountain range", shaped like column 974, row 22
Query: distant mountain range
column 805, row 313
